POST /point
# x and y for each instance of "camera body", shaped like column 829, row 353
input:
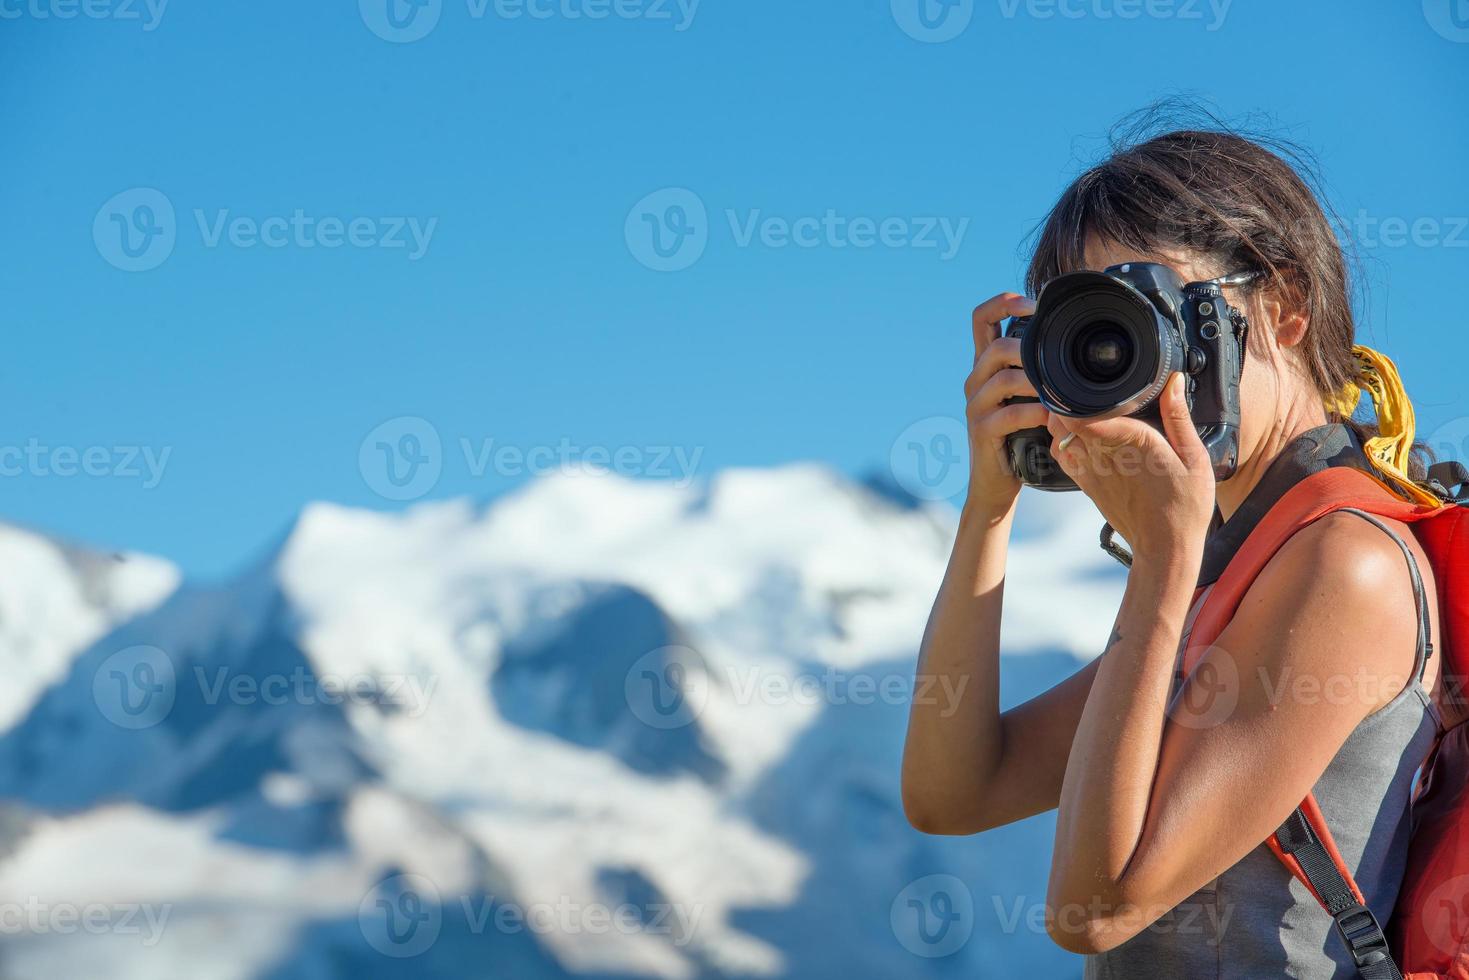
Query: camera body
column 1103, row 345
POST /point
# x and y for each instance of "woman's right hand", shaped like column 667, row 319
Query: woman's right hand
column 996, row 377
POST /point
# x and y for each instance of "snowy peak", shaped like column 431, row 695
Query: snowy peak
column 594, row 691
column 56, row 599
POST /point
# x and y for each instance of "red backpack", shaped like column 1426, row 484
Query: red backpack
column 1430, row 926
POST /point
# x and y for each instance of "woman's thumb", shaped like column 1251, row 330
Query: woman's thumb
column 1178, row 424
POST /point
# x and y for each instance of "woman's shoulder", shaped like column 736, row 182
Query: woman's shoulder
column 1339, row 596
column 1359, row 558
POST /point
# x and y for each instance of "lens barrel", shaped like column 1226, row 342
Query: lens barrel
column 1097, row 347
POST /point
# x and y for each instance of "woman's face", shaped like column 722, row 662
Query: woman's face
column 1271, row 378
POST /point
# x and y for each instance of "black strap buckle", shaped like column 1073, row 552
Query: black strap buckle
column 1363, row 934
column 1450, row 480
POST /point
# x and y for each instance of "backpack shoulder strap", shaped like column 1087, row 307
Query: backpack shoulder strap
column 1304, row 843
column 1319, row 494
column 1313, row 858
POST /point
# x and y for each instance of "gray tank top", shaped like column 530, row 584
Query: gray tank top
column 1255, row 920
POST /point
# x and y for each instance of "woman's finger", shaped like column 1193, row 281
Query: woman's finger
column 1004, row 383
column 1107, row 431
column 1178, row 422
column 1059, row 425
column 1003, row 353
column 1012, row 418
column 987, row 317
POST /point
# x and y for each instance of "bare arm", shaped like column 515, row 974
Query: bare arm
column 967, row 767
column 1158, row 798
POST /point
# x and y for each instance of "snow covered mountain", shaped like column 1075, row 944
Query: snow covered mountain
column 599, row 728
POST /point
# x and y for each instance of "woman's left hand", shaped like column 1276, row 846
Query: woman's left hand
column 1155, row 488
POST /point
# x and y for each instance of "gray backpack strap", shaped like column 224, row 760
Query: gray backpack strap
column 1420, row 595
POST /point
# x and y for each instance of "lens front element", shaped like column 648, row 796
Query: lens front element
column 1097, row 347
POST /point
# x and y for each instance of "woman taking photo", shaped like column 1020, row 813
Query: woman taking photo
column 1168, row 783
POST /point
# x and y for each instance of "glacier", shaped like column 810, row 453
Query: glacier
column 600, row 727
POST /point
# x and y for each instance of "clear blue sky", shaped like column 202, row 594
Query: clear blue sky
column 520, row 146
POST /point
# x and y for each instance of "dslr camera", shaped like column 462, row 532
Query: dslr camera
column 1103, row 345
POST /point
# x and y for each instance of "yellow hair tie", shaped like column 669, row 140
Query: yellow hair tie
column 1389, row 451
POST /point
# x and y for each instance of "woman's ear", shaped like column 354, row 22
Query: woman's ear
column 1286, row 310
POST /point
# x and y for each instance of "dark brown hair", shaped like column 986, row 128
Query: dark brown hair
column 1244, row 203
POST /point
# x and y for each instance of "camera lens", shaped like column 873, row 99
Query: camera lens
column 1096, row 346
column 1103, row 352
